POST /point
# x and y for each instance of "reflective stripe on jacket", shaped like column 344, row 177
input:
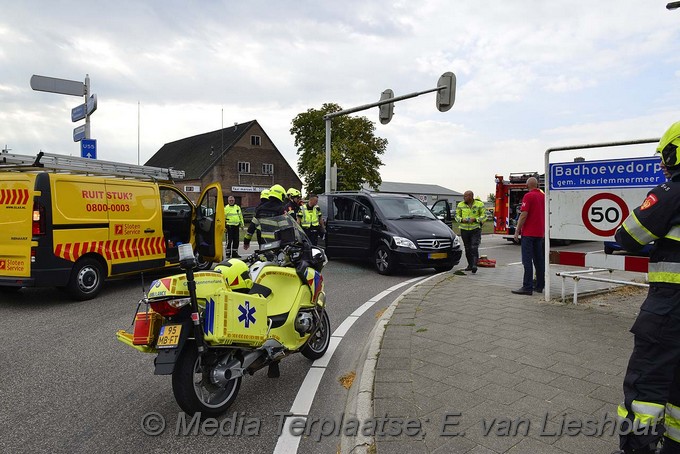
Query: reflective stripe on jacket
column 464, row 211
column 657, row 220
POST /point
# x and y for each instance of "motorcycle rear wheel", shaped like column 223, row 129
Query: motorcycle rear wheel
column 193, row 390
column 318, row 343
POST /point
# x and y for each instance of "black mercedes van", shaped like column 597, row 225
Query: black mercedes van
column 391, row 230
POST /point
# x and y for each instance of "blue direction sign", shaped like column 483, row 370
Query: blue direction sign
column 79, row 133
column 88, row 148
column 617, row 173
column 78, row 113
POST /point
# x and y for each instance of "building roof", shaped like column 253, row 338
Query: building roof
column 414, row 188
column 192, row 154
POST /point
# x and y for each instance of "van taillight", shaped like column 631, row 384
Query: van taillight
column 38, row 219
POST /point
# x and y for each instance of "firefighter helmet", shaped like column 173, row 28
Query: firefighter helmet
column 264, row 195
column 668, row 146
column 236, row 274
column 277, row 191
column 292, row 192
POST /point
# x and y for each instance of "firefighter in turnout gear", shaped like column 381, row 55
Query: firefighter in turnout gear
column 470, row 215
column 651, row 386
column 293, row 205
column 269, row 209
column 311, row 220
column 233, row 218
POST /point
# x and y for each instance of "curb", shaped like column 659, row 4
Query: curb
column 360, row 398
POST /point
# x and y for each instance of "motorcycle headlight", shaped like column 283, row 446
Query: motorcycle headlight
column 404, row 242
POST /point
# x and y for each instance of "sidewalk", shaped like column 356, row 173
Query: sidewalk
column 517, row 374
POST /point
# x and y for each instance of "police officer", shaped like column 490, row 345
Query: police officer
column 651, row 386
column 269, row 209
column 470, row 215
column 311, row 220
column 234, row 220
column 293, row 205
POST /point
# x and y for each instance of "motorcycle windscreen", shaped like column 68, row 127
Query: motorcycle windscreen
column 209, row 223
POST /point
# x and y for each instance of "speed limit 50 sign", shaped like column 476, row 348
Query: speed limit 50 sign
column 603, row 213
column 589, row 200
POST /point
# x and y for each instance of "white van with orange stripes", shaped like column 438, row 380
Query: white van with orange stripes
column 72, row 230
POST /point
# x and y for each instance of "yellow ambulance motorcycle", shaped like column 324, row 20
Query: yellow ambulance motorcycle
column 210, row 328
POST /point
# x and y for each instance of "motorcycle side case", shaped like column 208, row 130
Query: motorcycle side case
column 167, row 357
column 232, row 318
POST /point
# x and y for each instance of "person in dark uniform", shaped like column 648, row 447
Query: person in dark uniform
column 269, row 209
column 651, row 387
column 293, row 205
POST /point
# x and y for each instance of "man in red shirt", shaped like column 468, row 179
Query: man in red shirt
column 531, row 225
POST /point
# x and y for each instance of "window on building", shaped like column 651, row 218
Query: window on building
column 255, row 140
column 243, row 167
column 268, row 169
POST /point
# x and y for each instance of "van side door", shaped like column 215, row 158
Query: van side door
column 442, row 210
column 348, row 229
column 208, row 228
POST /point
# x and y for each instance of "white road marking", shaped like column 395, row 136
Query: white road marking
column 514, row 263
column 287, row 443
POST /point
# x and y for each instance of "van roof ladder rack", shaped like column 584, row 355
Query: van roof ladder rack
column 58, row 162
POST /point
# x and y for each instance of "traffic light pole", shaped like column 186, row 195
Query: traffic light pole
column 445, row 98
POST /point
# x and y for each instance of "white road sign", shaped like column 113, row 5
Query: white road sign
column 589, row 200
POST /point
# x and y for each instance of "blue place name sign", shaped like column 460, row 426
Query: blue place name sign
column 618, row 173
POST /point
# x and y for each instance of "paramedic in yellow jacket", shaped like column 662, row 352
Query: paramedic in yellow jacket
column 470, row 216
column 233, row 217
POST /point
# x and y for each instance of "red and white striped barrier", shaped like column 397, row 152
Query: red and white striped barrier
column 600, row 260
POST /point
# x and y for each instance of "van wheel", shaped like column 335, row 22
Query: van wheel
column 86, row 279
column 383, row 260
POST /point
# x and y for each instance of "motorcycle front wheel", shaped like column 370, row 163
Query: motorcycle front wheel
column 193, row 390
column 318, row 343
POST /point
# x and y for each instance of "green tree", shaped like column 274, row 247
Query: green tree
column 491, row 197
column 354, row 149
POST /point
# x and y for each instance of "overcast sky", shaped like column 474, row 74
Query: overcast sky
column 531, row 75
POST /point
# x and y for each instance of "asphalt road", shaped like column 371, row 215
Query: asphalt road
column 67, row 385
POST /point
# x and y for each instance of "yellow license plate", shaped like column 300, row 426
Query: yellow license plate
column 169, row 336
column 438, row 255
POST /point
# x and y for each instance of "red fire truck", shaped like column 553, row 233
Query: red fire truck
column 509, row 195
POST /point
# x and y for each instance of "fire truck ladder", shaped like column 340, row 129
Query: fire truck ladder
column 57, row 162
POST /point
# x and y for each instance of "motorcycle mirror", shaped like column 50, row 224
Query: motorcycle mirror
column 186, row 252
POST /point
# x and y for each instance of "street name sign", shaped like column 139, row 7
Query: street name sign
column 79, row 133
column 54, row 85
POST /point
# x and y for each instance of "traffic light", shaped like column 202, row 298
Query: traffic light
column 446, row 96
column 386, row 110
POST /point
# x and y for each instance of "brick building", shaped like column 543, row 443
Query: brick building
column 242, row 158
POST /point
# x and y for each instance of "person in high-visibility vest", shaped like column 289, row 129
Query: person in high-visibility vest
column 651, row 387
column 311, row 219
column 293, row 205
column 470, row 216
column 273, row 207
column 234, row 220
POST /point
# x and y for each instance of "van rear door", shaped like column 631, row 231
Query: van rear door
column 208, row 225
column 16, row 219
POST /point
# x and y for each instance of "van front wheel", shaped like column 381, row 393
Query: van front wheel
column 86, row 279
column 383, row 260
